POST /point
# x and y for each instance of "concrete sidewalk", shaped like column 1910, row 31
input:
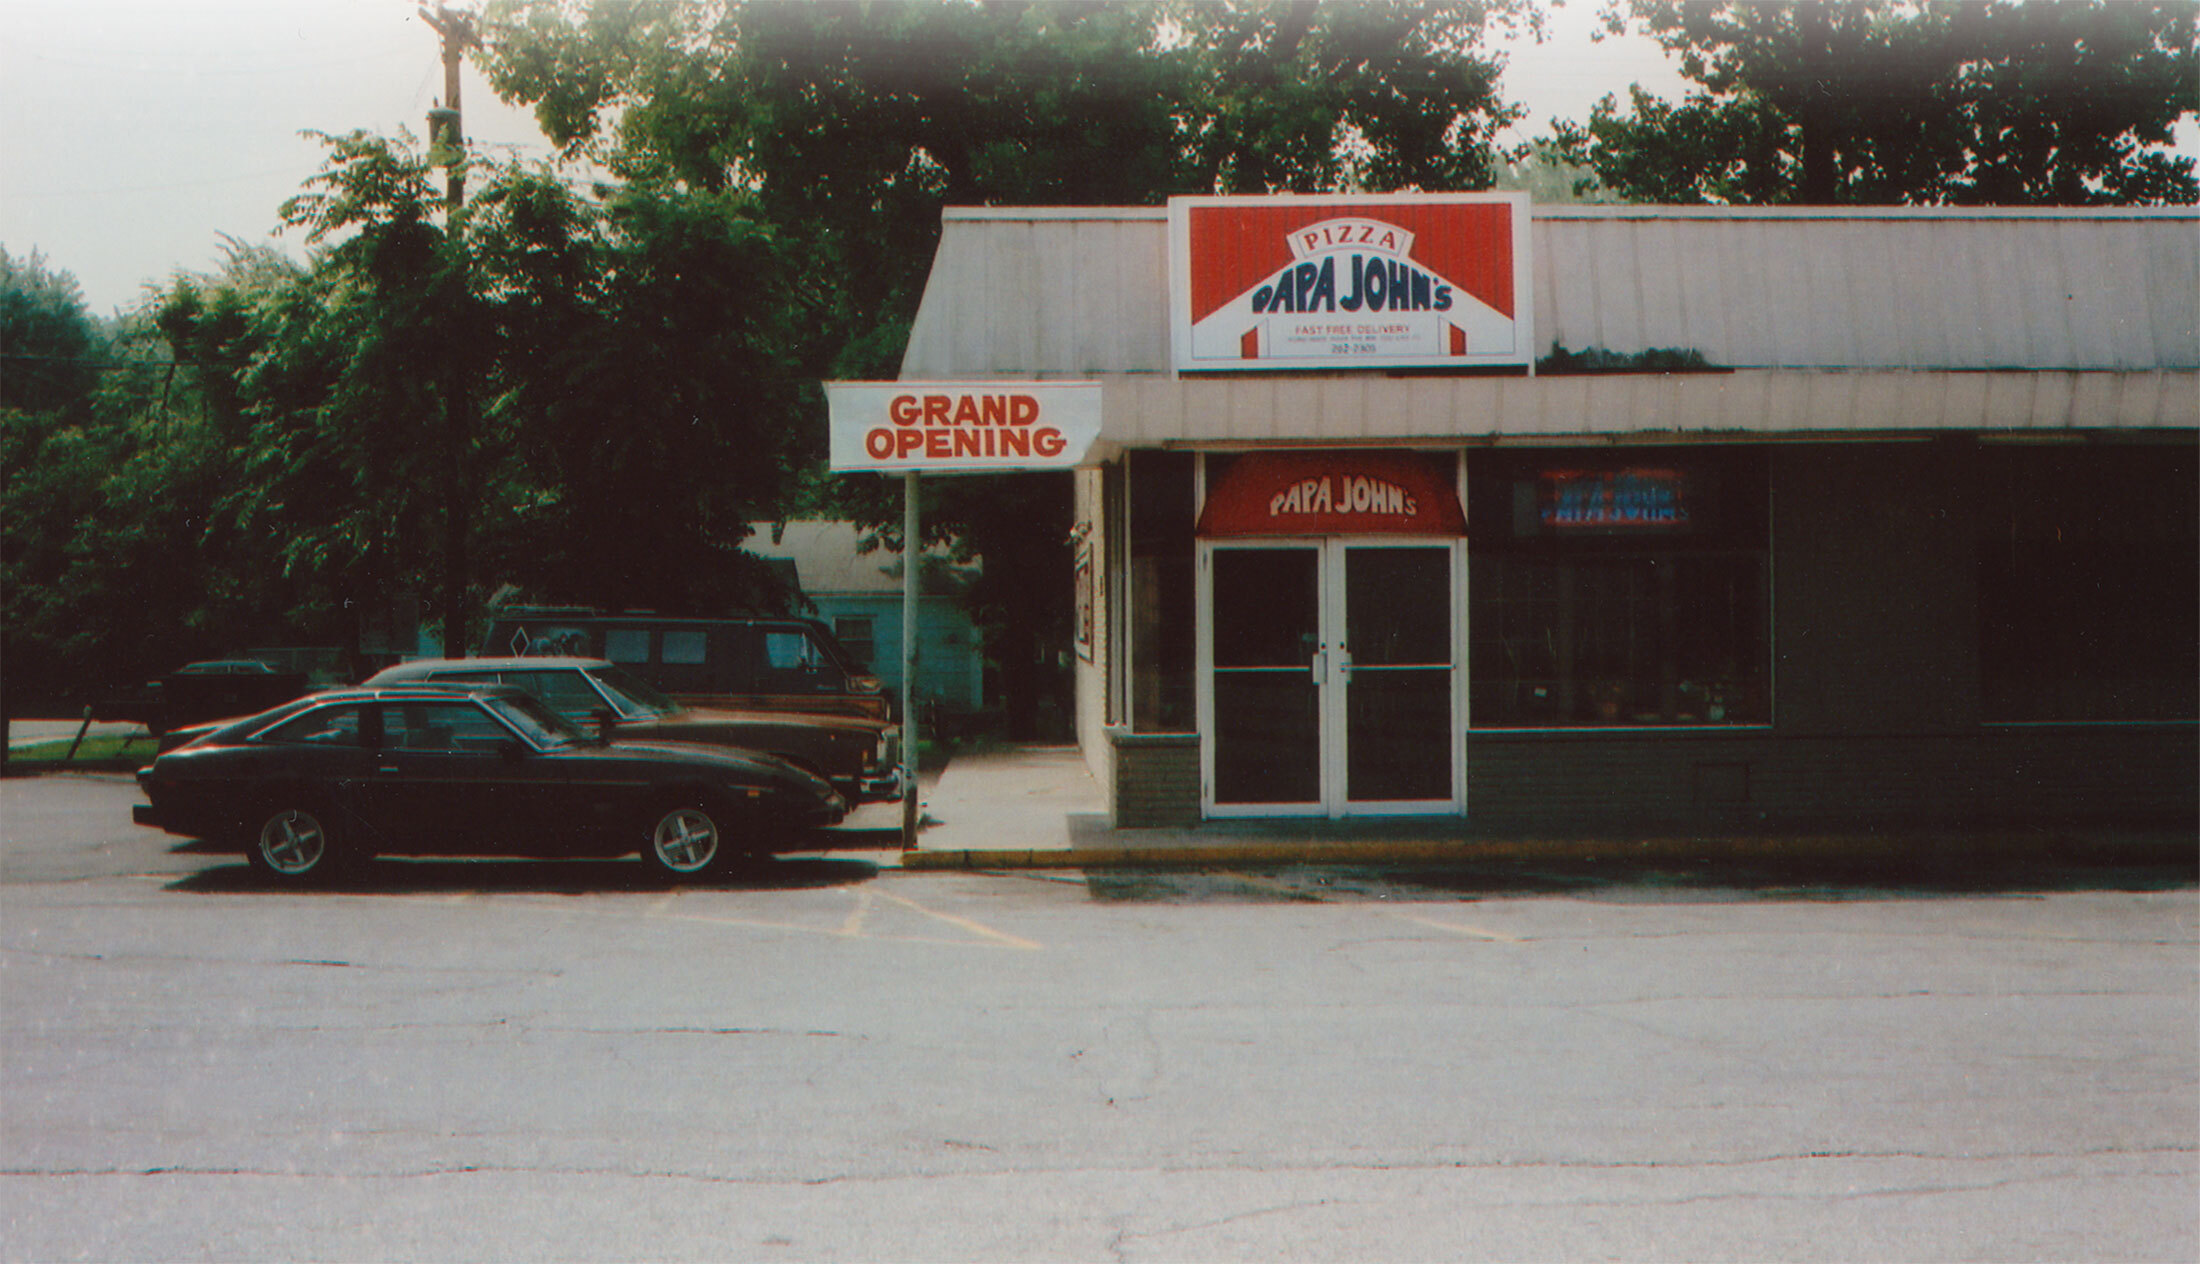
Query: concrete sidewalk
column 1037, row 807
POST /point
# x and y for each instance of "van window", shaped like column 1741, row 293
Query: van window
column 683, row 646
column 549, row 641
column 626, row 645
column 793, row 663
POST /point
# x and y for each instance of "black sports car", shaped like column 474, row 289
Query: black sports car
column 334, row 778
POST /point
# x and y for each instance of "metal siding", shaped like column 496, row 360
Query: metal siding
column 2093, row 304
column 1058, row 293
column 2172, row 312
column 1148, row 409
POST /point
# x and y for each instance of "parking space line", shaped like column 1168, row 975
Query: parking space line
column 1456, row 928
column 975, row 928
column 856, row 916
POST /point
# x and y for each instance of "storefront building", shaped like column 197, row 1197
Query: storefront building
column 1578, row 519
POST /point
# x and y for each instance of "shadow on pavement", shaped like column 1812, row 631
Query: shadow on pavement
column 1620, row 879
column 391, row 876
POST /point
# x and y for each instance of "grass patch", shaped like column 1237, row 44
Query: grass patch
column 99, row 752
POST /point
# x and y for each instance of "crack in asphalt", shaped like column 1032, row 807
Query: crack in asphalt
column 1505, row 1166
column 163, row 958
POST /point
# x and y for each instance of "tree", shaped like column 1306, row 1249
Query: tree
column 1906, row 101
column 49, row 345
column 617, row 359
column 51, row 461
column 850, row 125
column 120, row 560
column 375, row 380
column 644, row 389
column 854, row 123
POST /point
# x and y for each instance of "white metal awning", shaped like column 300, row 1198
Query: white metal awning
column 1149, row 410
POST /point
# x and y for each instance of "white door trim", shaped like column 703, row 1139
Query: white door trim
column 1332, row 676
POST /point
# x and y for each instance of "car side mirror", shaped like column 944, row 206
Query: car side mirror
column 607, row 722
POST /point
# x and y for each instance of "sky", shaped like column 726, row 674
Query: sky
column 135, row 135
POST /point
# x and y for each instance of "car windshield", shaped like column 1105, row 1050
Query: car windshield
column 632, row 694
column 536, row 722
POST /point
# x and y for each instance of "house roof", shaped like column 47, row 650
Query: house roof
column 829, row 561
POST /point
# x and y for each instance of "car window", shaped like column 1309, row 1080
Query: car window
column 322, row 726
column 536, row 722
column 632, row 695
column 483, row 677
column 441, row 726
column 565, row 690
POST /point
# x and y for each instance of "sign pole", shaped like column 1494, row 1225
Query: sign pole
column 912, row 557
column 972, row 427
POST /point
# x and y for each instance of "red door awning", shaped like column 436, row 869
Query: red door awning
column 1332, row 493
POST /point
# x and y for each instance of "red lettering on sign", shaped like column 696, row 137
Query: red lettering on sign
column 903, row 410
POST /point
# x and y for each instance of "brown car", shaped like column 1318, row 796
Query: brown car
column 860, row 757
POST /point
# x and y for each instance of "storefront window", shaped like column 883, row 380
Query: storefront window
column 1617, row 588
column 2089, row 584
column 1164, row 654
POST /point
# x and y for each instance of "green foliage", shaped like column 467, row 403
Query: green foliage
column 645, row 392
column 847, row 126
column 1991, row 102
column 48, row 343
column 1561, row 362
column 853, row 123
column 117, row 563
column 589, row 393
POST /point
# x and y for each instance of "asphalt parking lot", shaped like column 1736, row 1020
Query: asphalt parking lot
column 833, row 1058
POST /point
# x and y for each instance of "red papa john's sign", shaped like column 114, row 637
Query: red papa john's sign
column 1340, row 281
column 960, row 427
column 1331, row 493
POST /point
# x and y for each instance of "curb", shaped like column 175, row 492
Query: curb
column 1842, row 851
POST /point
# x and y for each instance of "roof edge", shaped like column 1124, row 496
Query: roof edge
column 1614, row 210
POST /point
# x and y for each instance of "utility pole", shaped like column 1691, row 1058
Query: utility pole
column 447, row 145
column 446, row 123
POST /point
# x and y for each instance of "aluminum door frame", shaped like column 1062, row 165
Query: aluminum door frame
column 1332, row 679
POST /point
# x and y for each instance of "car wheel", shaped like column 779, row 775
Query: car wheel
column 294, row 844
column 684, row 842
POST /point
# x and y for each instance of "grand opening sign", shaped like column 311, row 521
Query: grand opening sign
column 1422, row 280
column 961, row 427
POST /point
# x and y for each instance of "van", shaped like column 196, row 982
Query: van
column 739, row 664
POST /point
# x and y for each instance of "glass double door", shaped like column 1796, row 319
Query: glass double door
column 1330, row 677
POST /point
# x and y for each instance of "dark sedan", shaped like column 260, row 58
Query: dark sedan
column 326, row 781
column 859, row 755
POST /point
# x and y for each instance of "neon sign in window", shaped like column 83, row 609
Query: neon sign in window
column 1633, row 499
